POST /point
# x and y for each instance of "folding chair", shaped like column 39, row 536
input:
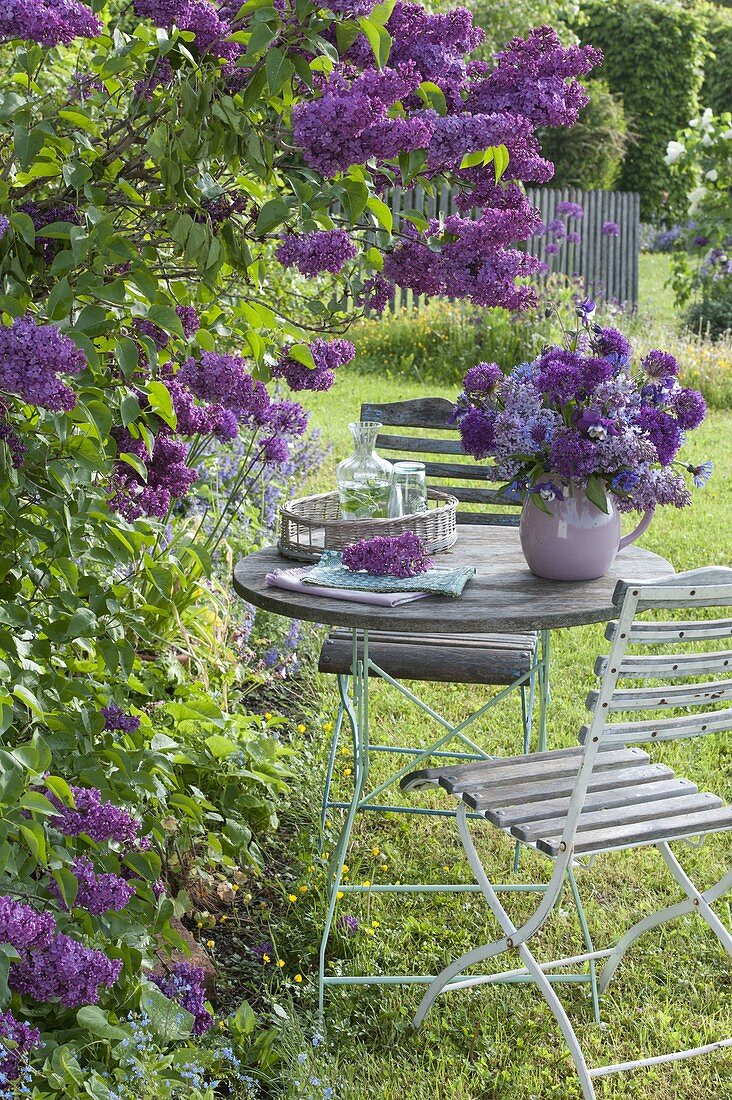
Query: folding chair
column 603, row 796
column 507, row 661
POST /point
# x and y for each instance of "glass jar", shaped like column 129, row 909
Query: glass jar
column 364, row 479
column 409, row 489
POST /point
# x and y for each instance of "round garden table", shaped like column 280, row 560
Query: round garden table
column 503, row 597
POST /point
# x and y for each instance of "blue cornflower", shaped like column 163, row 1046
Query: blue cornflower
column 302, row 1058
column 317, row 1039
column 701, row 473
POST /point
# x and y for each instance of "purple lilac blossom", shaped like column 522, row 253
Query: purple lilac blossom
column 17, row 1039
column 66, row 971
column 313, row 253
column 168, row 479
column 83, row 86
column 328, row 355
column 185, row 985
column 116, row 719
column 189, row 320
column 159, row 336
column 610, row 229
column 4, row 225
column 13, row 442
column 225, row 380
column 376, row 293
column 96, row 819
column 388, row 555
column 198, row 16
column 24, row 928
column 49, row 22
column 32, row 356
column 160, row 76
column 351, row 9
column 97, row 893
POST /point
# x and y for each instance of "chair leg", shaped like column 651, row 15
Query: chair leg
column 514, row 938
column 695, row 901
column 588, row 944
column 343, row 689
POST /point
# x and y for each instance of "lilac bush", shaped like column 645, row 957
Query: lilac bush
column 578, row 418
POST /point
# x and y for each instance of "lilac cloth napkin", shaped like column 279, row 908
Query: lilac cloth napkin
column 290, row 579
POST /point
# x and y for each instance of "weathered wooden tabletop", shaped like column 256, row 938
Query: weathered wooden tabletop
column 503, row 595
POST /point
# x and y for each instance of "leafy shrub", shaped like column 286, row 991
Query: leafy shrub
column 711, row 316
column 590, row 155
column 717, row 88
column 654, row 57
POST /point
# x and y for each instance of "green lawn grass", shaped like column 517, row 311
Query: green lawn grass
column 674, row 990
column 655, row 298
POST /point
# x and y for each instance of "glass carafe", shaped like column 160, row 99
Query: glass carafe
column 364, row 479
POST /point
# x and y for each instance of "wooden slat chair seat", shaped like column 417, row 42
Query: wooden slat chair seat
column 607, row 794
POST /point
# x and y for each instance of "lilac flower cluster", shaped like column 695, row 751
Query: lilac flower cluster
column 116, row 719
column 41, row 216
column 52, row 966
column 98, row 893
column 161, row 76
column 472, row 261
column 12, row 441
column 168, row 477
column 312, row 253
column 31, row 358
column 83, row 86
column 199, row 16
column 185, row 985
column 49, row 22
column 575, row 414
column 328, row 355
column 4, row 225
column 376, row 293
column 388, row 555
column 98, row 820
column 17, row 1039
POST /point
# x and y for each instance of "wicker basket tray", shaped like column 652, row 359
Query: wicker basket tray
column 313, row 524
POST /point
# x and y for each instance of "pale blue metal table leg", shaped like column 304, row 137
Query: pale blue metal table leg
column 588, row 944
column 343, row 692
column 358, row 717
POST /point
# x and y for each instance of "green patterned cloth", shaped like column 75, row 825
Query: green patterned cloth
column 331, row 573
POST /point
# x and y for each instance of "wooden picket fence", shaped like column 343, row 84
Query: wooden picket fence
column 608, row 266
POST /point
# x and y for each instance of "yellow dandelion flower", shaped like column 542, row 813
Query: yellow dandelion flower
column 301, row 728
column 199, row 924
column 340, row 895
column 383, row 866
column 367, row 882
column 280, row 963
column 268, row 716
column 298, row 978
column 347, row 771
column 328, row 727
column 311, row 868
column 345, row 750
column 376, row 924
column 235, row 887
column 445, row 868
column 292, row 897
column 369, row 931
column 210, row 943
column 303, row 889
column 345, row 868
column 266, row 959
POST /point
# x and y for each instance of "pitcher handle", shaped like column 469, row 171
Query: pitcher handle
column 642, row 526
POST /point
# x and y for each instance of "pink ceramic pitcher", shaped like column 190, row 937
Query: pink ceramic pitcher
column 577, row 542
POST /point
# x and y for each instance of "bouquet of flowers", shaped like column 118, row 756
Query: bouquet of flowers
column 579, row 418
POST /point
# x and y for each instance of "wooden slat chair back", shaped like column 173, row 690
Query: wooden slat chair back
column 607, row 794
column 433, row 415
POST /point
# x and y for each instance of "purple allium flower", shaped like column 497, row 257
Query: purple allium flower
column 275, row 450
column 571, row 210
column 659, row 365
column 189, row 320
column 482, row 378
column 388, row 555
column 287, row 417
column 663, row 431
column 376, row 293
column 552, row 249
column 349, row 924
column 573, row 237
column 572, row 456
column 31, row 358
column 610, row 229
column 690, row 408
column 328, row 356
column 116, row 719
column 477, row 432
column 185, row 985
column 17, row 1039
column 4, row 225
column 97, row 893
column 313, row 253
column 611, row 343
column 98, row 820
column 49, row 22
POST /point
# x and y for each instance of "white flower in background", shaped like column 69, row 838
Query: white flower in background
column 693, row 122
column 727, row 135
column 675, row 150
column 706, row 119
column 707, row 140
column 712, row 175
column 695, row 198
